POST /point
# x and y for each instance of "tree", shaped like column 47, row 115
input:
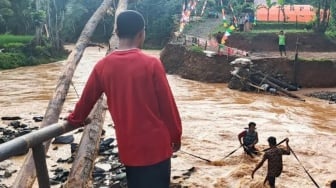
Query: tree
column 79, row 12
column 5, row 12
column 282, row 9
column 332, row 21
column 21, row 23
column 27, row 174
column 269, row 5
column 55, row 20
column 160, row 18
column 321, row 24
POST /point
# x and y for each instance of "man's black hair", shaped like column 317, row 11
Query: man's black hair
column 129, row 24
column 251, row 124
column 333, row 184
column 272, row 140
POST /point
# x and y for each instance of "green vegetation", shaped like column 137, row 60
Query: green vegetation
column 197, row 49
column 11, row 60
column 282, row 26
column 7, row 39
column 20, row 50
column 268, row 28
column 63, row 21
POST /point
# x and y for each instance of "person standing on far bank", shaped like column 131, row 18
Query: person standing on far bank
column 146, row 119
column 282, row 43
column 274, row 157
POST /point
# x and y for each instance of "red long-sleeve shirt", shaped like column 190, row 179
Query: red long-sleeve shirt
column 140, row 102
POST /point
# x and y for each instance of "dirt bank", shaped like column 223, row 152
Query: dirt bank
column 179, row 60
column 265, row 42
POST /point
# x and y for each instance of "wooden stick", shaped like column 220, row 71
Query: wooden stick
column 27, row 174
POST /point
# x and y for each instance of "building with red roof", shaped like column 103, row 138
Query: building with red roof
column 299, row 13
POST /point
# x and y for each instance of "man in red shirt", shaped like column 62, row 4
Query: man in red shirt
column 146, row 119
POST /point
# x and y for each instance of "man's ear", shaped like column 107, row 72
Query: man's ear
column 140, row 35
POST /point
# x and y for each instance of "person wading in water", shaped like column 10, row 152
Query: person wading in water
column 249, row 138
column 274, row 157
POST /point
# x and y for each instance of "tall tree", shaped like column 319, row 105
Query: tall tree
column 79, row 12
column 55, row 20
column 321, row 23
column 332, row 21
column 282, row 9
column 269, row 5
column 21, row 23
column 160, row 17
column 5, row 12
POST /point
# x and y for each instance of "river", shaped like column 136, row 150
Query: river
column 212, row 116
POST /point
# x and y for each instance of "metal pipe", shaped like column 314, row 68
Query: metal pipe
column 11, row 148
column 41, row 165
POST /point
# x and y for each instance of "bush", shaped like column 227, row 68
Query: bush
column 11, row 60
column 23, row 51
column 6, row 39
column 282, row 26
column 331, row 34
column 14, row 47
column 197, row 49
column 42, row 51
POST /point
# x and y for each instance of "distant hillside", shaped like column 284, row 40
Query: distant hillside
column 203, row 28
column 262, row 42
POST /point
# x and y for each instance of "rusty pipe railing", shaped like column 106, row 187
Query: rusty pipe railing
column 35, row 141
column 24, row 142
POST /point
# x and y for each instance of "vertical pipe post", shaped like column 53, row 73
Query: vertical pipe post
column 295, row 71
column 41, row 165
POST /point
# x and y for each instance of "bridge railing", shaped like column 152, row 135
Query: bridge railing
column 35, row 141
column 209, row 44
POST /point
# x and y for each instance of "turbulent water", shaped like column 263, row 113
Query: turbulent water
column 212, row 117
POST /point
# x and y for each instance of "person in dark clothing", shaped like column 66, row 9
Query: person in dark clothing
column 274, row 157
column 219, row 37
column 241, row 23
column 249, row 138
column 333, row 184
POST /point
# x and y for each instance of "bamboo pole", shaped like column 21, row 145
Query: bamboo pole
column 114, row 41
column 82, row 167
column 27, row 174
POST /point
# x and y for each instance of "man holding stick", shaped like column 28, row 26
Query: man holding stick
column 274, row 157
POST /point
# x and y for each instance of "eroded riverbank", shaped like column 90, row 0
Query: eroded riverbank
column 212, row 116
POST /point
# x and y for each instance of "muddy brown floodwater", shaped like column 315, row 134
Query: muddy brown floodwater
column 212, row 117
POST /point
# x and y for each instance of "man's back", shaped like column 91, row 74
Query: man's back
column 146, row 120
column 140, row 102
column 141, row 105
column 274, row 156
